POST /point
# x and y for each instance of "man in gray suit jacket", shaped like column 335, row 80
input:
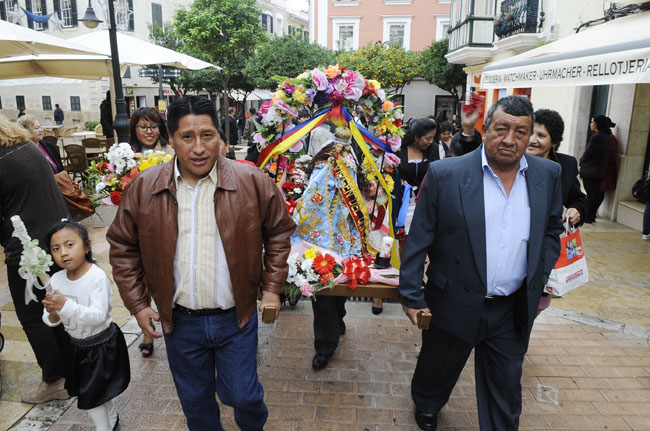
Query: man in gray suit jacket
column 489, row 222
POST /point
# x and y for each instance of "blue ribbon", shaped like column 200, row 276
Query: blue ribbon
column 403, row 209
column 372, row 138
column 36, row 18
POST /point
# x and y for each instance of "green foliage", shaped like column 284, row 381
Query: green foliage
column 90, row 125
column 391, row 65
column 286, row 56
column 438, row 71
column 225, row 32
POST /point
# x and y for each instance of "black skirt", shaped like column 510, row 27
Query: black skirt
column 97, row 367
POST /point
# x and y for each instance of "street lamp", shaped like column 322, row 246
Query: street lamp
column 121, row 122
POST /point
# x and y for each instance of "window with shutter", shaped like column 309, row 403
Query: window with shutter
column 28, row 6
column 156, row 14
column 3, row 11
column 44, row 12
column 131, row 17
column 73, row 12
column 271, row 26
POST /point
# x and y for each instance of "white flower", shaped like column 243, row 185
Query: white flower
column 306, row 264
column 99, row 187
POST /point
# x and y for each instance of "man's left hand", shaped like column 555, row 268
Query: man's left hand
column 573, row 215
column 270, row 299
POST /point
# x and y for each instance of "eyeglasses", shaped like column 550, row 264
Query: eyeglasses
column 143, row 128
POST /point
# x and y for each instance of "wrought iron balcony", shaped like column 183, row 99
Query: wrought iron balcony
column 517, row 16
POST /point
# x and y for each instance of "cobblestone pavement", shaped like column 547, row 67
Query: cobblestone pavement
column 587, row 368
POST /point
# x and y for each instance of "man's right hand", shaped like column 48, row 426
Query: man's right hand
column 412, row 313
column 145, row 321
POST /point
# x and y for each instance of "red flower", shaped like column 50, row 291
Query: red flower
column 323, row 264
column 116, row 197
column 288, row 186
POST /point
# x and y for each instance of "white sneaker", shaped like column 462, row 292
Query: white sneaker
column 645, row 237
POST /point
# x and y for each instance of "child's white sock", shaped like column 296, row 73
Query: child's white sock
column 104, row 417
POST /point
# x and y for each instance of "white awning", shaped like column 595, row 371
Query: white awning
column 616, row 52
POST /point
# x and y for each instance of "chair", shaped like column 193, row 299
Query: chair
column 67, row 131
column 75, row 161
column 99, row 131
column 48, row 132
column 96, row 147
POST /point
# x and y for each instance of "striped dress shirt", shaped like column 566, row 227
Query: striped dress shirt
column 201, row 275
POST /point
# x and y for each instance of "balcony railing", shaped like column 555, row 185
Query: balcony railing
column 517, row 16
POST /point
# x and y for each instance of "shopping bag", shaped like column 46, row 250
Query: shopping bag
column 570, row 271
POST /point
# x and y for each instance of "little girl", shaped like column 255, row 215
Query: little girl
column 98, row 367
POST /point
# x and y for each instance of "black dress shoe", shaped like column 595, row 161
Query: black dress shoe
column 426, row 421
column 319, row 362
column 377, row 310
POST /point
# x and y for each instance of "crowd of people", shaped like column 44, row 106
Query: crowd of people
column 478, row 242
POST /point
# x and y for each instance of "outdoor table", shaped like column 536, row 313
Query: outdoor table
column 84, row 134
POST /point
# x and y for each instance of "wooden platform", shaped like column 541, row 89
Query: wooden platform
column 364, row 291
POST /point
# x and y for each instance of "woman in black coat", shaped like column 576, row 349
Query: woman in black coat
column 593, row 164
column 544, row 142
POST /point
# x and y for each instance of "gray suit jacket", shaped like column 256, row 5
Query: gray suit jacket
column 449, row 227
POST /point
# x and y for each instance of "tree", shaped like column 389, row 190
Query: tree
column 387, row 63
column 438, row 71
column 285, row 56
column 189, row 80
column 226, row 32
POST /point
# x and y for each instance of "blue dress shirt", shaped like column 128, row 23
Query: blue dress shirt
column 507, row 229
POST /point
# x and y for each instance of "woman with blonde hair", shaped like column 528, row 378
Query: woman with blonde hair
column 49, row 150
column 28, row 189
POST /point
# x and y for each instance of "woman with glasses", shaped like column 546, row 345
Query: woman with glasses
column 147, row 131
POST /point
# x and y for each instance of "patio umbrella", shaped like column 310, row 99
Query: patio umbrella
column 137, row 52
column 16, row 40
column 90, row 67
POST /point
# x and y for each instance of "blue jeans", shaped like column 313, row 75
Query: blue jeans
column 200, row 345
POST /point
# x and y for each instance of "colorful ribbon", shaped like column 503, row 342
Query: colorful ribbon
column 404, row 207
column 357, row 271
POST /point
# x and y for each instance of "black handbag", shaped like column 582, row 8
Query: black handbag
column 641, row 189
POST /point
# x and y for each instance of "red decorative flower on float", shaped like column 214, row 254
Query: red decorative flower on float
column 324, row 263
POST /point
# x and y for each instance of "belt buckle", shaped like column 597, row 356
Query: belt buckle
column 489, row 297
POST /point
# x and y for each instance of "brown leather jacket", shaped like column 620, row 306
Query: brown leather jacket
column 254, row 225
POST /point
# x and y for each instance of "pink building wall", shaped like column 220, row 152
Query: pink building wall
column 425, row 17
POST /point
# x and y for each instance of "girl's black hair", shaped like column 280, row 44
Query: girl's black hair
column 75, row 226
column 446, row 126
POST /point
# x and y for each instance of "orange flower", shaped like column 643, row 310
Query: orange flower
column 388, row 105
column 325, row 278
column 323, row 264
column 332, row 71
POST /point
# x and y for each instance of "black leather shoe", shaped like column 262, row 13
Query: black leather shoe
column 377, row 310
column 426, row 421
column 341, row 327
column 319, row 362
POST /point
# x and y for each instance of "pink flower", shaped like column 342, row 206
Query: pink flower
column 259, row 139
column 264, row 107
column 391, row 159
column 284, row 108
column 336, row 96
column 305, row 289
column 320, row 79
column 352, row 93
column 395, row 143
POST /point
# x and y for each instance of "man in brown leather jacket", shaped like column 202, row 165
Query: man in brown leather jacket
column 200, row 234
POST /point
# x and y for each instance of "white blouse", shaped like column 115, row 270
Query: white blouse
column 87, row 310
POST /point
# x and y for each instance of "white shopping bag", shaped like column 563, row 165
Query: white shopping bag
column 570, row 271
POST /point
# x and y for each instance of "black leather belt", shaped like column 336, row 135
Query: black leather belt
column 493, row 298
column 203, row 311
